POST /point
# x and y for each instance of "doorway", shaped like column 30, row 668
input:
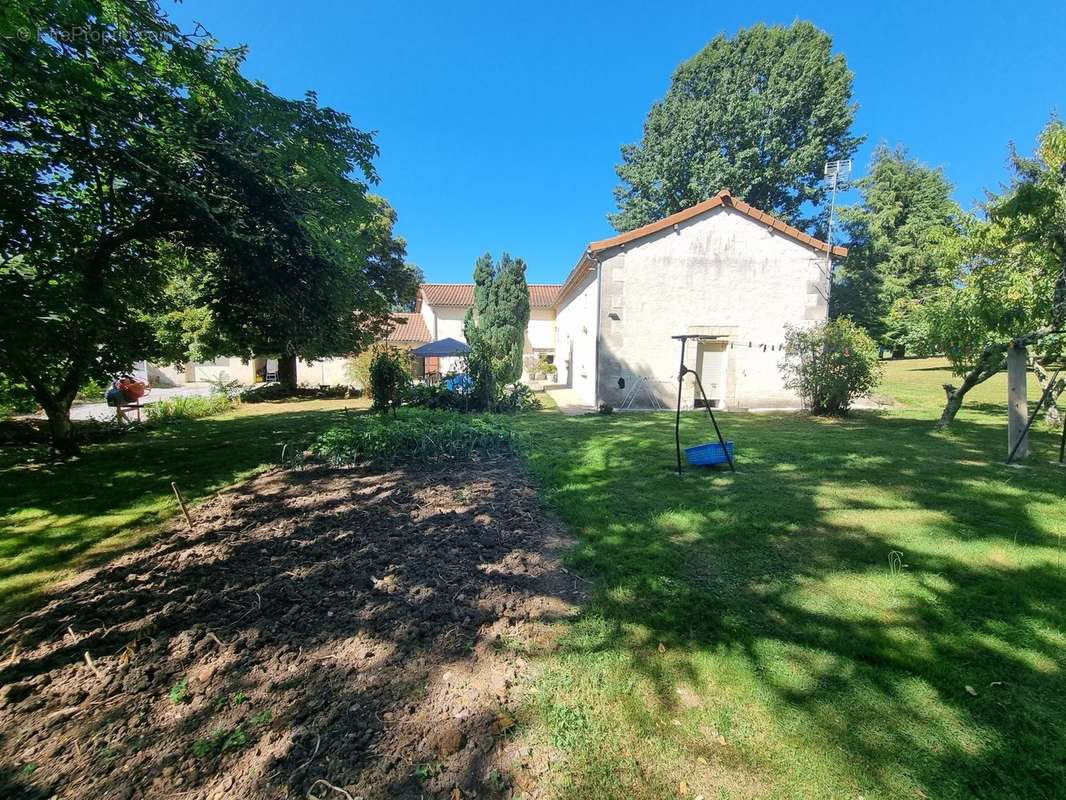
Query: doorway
column 710, row 364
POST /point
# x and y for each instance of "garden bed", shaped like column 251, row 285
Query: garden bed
column 319, row 627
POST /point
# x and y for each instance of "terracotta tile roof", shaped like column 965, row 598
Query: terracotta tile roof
column 541, row 295
column 723, row 198
column 409, row 328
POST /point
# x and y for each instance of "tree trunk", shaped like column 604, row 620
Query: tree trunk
column 1051, row 409
column 64, row 440
column 955, row 396
column 287, row 372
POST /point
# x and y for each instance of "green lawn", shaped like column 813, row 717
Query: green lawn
column 56, row 518
column 821, row 613
column 807, row 628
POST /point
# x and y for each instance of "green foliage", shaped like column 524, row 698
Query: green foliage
column 518, row 397
column 154, row 201
column 219, row 742
column 1009, row 277
column 184, row 407
column 226, row 388
column 92, row 391
column 830, row 365
column 358, row 368
column 15, row 398
column 759, row 113
column 437, row 396
column 179, row 692
column 413, row 436
column 495, row 328
column 897, row 244
column 428, row 769
column 390, row 376
column 274, row 392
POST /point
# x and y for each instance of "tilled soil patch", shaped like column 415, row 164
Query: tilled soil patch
column 322, row 633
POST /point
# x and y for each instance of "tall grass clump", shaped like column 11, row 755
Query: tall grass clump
column 187, row 407
column 413, row 436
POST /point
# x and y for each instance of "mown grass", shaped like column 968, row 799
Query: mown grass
column 57, row 518
column 869, row 608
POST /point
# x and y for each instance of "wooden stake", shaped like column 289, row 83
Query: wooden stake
column 1017, row 404
column 181, row 502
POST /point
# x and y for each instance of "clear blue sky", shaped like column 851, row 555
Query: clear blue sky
column 500, row 123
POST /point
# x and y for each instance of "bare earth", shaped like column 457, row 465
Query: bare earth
column 323, row 633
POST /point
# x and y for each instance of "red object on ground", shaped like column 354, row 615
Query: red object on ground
column 132, row 390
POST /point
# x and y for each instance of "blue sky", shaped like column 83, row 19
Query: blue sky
column 500, row 124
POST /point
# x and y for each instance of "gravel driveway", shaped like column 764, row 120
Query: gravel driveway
column 101, row 411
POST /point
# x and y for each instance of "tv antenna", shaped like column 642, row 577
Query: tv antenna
column 837, row 173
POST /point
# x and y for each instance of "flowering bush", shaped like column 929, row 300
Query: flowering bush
column 830, row 365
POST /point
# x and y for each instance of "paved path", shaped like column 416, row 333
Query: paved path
column 102, row 411
column 568, row 401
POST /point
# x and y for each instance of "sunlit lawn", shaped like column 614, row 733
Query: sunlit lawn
column 58, row 518
column 868, row 609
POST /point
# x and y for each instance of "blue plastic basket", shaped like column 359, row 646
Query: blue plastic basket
column 707, row 454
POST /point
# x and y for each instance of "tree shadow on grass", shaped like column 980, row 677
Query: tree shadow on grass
column 70, row 515
column 853, row 579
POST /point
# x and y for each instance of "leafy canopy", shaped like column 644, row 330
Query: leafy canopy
column 894, row 236
column 152, row 198
column 1009, row 280
column 759, row 113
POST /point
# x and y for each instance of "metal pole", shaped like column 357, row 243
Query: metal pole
column 677, row 417
column 829, row 243
column 714, row 422
column 1062, row 444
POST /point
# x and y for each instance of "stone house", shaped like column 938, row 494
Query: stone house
column 721, row 268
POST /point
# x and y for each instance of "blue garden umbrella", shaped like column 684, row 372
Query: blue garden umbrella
column 442, row 348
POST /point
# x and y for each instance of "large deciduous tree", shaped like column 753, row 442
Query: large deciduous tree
column 759, row 113
column 894, row 236
column 142, row 175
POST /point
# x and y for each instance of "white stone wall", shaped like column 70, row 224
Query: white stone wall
column 721, row 269
column 167, row 375
column 540, row 333
column 324, row 372
column 575, row 339
column 449, row 321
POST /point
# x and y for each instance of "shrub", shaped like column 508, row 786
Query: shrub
column 269, row 392
column 830, row 365
column 230, row 389
column 187, row 407
column 518, row 398
column 390, row 376
column 91, row 391
column 15, row 398
column 412, row 436
column 438, row 396
column 358, row 369
column 547, row 368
